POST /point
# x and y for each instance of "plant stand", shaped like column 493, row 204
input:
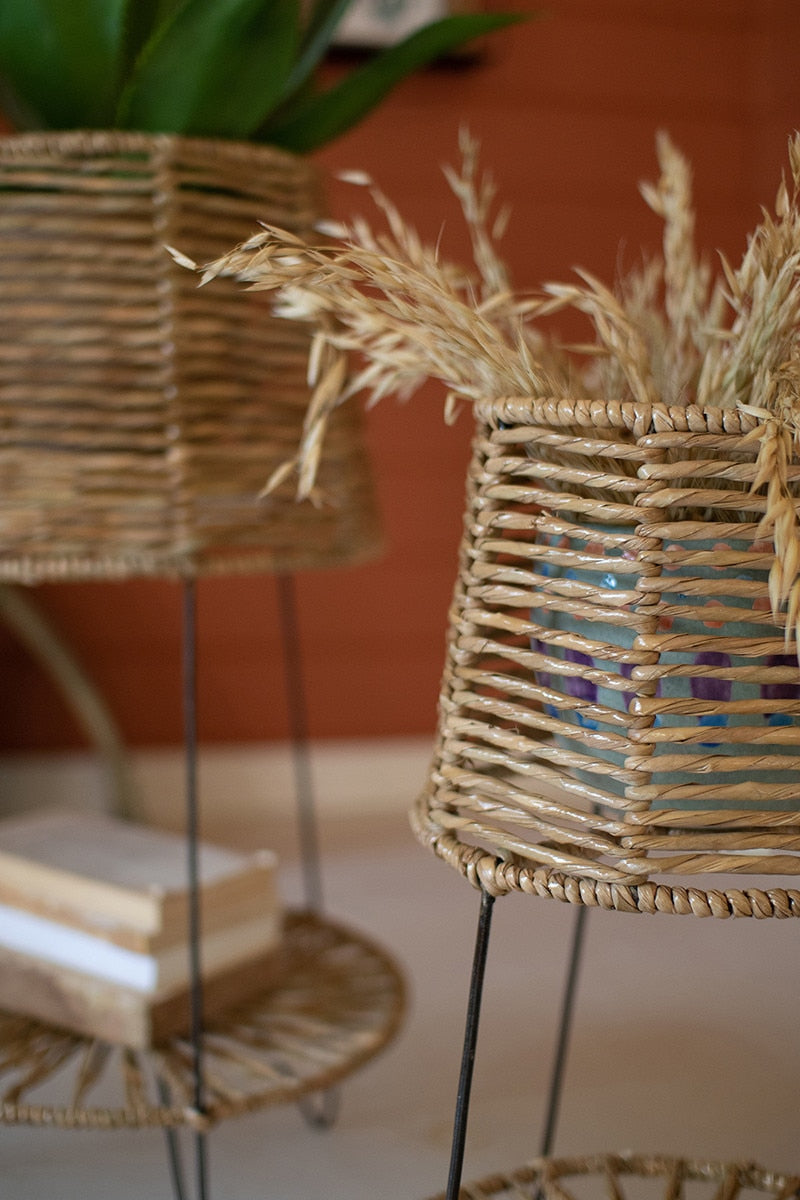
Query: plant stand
column 338, row 1002
column 142, row 418
column 619, row 715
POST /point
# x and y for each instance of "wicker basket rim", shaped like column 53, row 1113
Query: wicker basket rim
column 59, row 141
column 630, row 414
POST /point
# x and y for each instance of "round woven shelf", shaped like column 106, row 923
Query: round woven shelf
column 625, row 1176
column 339, row 1003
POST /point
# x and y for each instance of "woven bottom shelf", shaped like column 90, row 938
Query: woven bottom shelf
column 339, row 1003
column 630, row 1176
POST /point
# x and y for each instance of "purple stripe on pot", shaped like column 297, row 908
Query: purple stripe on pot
column 780, row 691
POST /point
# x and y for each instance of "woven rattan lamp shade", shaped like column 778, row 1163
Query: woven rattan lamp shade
column 140, row 416
column 619, row 713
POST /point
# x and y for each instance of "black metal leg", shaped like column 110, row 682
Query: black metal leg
column 470, row 1044
column 192, row 838
column 298, row 731
column 173, row 1149
column 562, row 1044
column 319, row 1112
column 322, row 1109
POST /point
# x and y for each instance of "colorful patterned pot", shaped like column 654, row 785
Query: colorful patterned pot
column 736, row 697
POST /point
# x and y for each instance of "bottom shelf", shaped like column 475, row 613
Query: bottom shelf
column 627, row 1176
column 339, row 1002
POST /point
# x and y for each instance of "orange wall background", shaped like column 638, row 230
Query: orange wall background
column 566, row 108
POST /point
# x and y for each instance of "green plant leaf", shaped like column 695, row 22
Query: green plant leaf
column 142, row 18
column 213, row 69
column 317, row 38
column 62, row 59
column 325, row 115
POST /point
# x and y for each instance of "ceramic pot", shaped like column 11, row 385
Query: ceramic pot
column 738, row 698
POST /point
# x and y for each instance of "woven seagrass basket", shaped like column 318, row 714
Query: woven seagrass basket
column 627, row 1176
column 619, row 714
column 140, row 416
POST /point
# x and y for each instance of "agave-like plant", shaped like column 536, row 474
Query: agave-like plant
column 242, row 69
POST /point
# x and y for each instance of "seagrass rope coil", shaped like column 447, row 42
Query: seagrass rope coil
column 140, row 415
column 626, row 1176
column 619, row 716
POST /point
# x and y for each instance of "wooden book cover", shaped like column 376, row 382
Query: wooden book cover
column 126, row 882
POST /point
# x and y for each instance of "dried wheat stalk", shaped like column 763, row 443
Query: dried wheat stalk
column 389, row 298
column 669, row 332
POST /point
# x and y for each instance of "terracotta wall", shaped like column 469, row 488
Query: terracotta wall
column 566, row 108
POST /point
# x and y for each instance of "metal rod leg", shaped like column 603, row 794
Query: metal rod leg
column 298, row 730
column 173, row 1149
column 562, row 1044
column 320, row 1112
column 470, row 1044
column 192, row 837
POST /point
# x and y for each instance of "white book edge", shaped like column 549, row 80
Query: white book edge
column 48, row 941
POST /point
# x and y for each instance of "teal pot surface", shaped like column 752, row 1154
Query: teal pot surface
column 722, row 704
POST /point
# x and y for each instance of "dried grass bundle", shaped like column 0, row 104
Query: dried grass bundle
column 391, row 299
column 670, row 332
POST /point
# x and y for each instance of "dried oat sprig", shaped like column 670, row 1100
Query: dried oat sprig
column 639, row 292
column 691, row 306
column 486, row 226
column 764, row 295
column 778, row 435
column 619, row 337
column 669, row 333
column 476, row 196
column 390, row 299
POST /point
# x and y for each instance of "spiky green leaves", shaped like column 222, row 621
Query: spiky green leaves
column 241, row 69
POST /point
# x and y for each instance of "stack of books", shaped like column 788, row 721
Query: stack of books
column 94, row 925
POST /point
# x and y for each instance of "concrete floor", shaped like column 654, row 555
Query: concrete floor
column 685, row 1041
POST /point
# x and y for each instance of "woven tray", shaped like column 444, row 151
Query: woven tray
column 628, row 1176
column 140, row 416
column 339, row 1003
column 619, row 715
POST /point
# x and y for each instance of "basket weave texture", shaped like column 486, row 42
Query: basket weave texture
column 626, row 1176
column 619, row 711
column 339, row 1002
column 140, row 416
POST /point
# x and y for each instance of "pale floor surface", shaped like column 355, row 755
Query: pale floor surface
column 685, row 1042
